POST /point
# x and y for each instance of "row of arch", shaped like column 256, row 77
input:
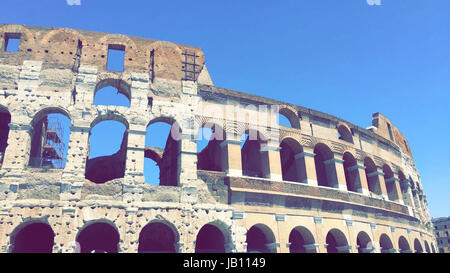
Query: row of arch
column 254, row 159
column 161, row 236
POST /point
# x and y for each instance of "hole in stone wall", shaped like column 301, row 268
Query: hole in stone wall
column 325, row 169
column 12, row 42
column 209, row 148
column 50, row 140
column 210, row 239
column 293, row 169
column 107, row 151
column 345, row 134
column 284, row 121
column 254, row 158
column 116, row 57
column 298, row 238
column 161, row 162
column 33, row 237
column 99, row 238
column 335, row 240
column 110, row 95
column 260, row 239
column 156, row 237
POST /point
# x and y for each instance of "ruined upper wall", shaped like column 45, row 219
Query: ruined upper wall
column 62, row 48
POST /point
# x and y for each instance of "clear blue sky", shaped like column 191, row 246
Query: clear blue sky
column 345, row 58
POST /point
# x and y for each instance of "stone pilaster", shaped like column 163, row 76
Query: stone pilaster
column 306, row 166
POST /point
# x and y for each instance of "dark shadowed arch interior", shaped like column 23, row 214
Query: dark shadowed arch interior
column 345, row 134
column 33, row 237
column 372, row 176
column 5, row 119
column 336, row 239
column 432, row 248
column 403, row 244
column 385, row 243
column 108, row 141
column 298, row 238
column 50, row 139
column 157, row 237
column 163, row 137
column 210, row 239
column 363, row 242
column 210, row 149
column 418, row 246
column 292, row 169
column 427, row 247
column 324, row 169
column 255, row 161
column 98, row 237
column 260, row 239
column 351, row 174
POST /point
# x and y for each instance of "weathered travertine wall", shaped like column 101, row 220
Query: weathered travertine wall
column 60, row 70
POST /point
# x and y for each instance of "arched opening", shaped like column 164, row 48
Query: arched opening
column 336, row 242
column 372, row 176
column 32, row 237
column 49, row 139
column 288, row 118
column 255, row 159
column 108, row 141
column 210, row 149
column 385, row 244
column 5, row 119
column 99, row 237
column 427, row 247
column 390, row 183
column 418, row 246
column 292, row 164
column 157, row 237
column 301, row 241
column 403, row 245
column 260, row 239
column 351, row 173
column 210, row 239
column 364, row 243
column 112, row 92
column 432, row 248
column 345, row 134
column 325, row 167
column 163, row 138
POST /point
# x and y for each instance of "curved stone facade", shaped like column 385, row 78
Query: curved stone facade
column 321, row 185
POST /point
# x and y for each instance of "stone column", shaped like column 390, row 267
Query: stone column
column 274, row 164
column 188, row 159
column 306, row 166
column 134, row 168
column 397, row 188
column 335, row 172
column 321, row 248
column 380, row 185
column 360, row 177
column 17, row 153
column 77, row 155
column 232, row 161
column 351, row 236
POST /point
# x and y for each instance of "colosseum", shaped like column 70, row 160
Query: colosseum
column 320, row 185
